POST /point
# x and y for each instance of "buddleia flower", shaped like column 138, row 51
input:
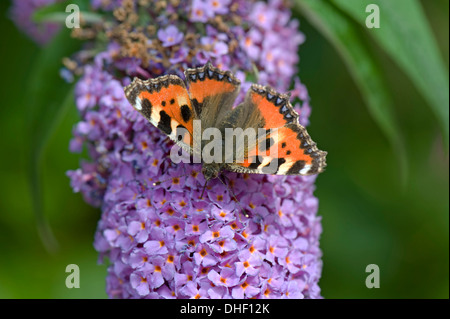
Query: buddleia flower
column 164, row 240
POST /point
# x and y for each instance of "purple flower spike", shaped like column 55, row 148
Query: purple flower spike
column 162, row 240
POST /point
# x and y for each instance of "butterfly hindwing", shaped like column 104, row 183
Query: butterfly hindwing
column 272, row 116
column 284, row 151
column 263, row 107
column 165, row 103
column 285, row 148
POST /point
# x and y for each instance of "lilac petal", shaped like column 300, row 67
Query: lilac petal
column 156, row 280
column 240, row 269
column 214, row 277
column 217, row 292
column 154, row 247
column 209, row 261
column 141, row 236
column 134, row 227
column 206, row 236
column 251, row 291
column 143, row 289
column 168, row 271
column 237, row 293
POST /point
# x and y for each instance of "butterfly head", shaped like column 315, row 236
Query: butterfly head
column 211, row 171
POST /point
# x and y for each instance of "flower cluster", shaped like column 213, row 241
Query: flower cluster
column 165, row 241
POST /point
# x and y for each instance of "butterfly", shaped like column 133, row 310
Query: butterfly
column 282, row 145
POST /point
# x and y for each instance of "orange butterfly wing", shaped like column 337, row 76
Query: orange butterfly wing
column 286, row 148
column 213, row 92
column 165, row 103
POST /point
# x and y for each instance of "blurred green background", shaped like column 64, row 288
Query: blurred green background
column 371, row 214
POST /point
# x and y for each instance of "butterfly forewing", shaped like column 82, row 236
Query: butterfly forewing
column 212, row 93
column 165, row 102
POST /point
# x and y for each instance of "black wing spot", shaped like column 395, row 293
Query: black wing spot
column 186, row 113
column 278, row 101
column 163, row 103
column 288, row 152
column 172, row 101
column 147, row 108
column 255, row 162
column 269, row 168
column 181, row 130
column 164, row 123
column 193, row 77
column 283, row 109
column 296, row 168
column 197, row 106
column 283, row 145
column 267, row 145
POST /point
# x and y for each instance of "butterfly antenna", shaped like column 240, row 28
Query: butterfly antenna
column 204, row 187
column 237, row 201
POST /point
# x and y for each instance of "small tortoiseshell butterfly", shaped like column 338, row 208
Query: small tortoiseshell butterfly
column 169, row 105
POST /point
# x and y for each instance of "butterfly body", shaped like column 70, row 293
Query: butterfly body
column 212, row 170
column 262, row 135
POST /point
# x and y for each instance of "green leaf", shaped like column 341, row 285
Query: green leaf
column 61, row 17
column 56, row 12
column 40, row 13
column 48, row 98
column 406, row 36
column 345, row 35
